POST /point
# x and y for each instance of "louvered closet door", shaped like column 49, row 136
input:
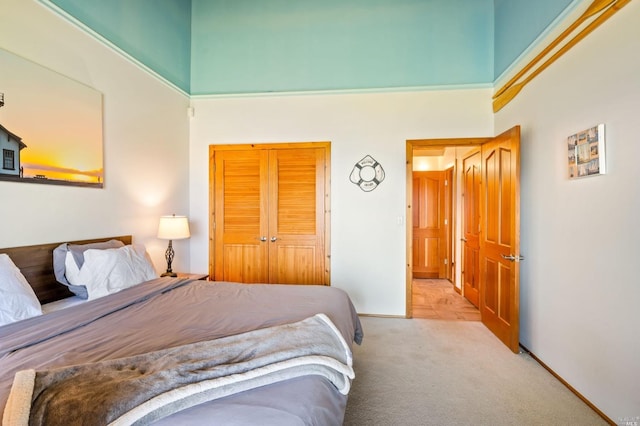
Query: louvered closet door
column 240, row 218
column 269, row 215
column 296, row 216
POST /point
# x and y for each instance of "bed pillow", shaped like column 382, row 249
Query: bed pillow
column 72, row 271
column 69, row 258
column 17, row 299
column 109, row 271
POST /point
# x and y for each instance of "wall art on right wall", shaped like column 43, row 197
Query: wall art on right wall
column 585, row 152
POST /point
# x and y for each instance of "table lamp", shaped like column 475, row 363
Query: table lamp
column 172, row 228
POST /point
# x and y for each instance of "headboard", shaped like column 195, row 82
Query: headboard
column 36, row 264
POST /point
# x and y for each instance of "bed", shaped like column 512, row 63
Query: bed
column 176, row 319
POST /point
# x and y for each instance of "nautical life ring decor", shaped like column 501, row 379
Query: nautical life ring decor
column 367, row 174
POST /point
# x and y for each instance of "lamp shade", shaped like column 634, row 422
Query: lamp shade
column 173, row 227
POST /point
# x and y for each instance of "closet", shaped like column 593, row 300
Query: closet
column 269, row 213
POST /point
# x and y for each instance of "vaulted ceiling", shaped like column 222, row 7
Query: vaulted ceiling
column 206, row 47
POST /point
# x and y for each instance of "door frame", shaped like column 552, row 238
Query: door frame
column 410, row 145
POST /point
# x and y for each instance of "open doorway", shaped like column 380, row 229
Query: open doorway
column 435, row 226
column 498, row 227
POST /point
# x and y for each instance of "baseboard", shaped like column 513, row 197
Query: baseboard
column 382, row 316
column 571, row 388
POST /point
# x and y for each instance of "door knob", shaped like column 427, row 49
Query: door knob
column 513, row 258
column 464, row 240
column 263, row 238
column 273, row 239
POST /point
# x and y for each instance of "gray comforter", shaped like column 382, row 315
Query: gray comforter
column 169, row 313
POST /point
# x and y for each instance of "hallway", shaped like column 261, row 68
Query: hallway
column 436, row 299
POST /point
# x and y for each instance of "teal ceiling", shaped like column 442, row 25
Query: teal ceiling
column 206, row 47
column 283, row 45
column 518, row 23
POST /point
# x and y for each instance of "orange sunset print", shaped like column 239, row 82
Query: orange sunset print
column 50, row 126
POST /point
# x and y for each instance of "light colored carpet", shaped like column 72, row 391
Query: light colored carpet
column 434, row 372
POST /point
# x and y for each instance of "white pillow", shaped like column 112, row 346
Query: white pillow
column 109, row 271
column 17, row 299
column 71, row 270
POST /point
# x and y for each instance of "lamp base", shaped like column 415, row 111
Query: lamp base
column 169, row 256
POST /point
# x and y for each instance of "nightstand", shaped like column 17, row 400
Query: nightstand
column 203, row 277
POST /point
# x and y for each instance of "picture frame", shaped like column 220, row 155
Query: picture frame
column 51, row 129
column 586, row 152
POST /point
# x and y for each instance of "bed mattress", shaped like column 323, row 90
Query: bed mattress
column 170, row 312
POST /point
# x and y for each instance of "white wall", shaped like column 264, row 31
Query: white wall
column 580, row 291
column 368, row 256
column 580, row 288
column 145, row 144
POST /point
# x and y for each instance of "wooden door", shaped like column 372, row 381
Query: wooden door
column 268, row 214
column 296, row 216
column 471, row 176
column 449, row 207
column 241, row 226
column 429, row 242
column 500, row 237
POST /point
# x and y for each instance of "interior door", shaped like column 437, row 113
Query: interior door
column 471, row 177
column 429, row 242
column 240, row 216
column 296, row 216
column 269, row 214
column 500, row 237
column 450, row 254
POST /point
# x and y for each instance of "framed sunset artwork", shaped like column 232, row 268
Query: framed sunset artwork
column 50, row 126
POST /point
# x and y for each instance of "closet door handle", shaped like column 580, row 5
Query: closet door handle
column 273, row 239
column 263, row 238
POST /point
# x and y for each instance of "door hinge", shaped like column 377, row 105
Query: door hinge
column 446, row 182
column 446, row 221
column 446, row 261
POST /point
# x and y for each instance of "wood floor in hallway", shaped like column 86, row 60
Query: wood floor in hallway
column 436, row 299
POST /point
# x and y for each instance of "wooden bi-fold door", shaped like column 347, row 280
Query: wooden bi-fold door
column 268, row 213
